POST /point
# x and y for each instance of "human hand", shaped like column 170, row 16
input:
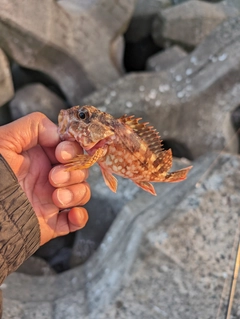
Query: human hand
column 31, row 147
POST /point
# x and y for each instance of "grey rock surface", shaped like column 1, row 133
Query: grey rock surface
column 186, row 236
column 36, row 266
column 190, row 22
column 71, row 41
column 6, row 85
column 231, row 3
column 126, row 190
column 165, row 59
column 36, row 97
column 101, row 215
column 192, row 102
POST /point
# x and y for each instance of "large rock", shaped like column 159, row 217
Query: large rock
column 190, row 22
column 6, row 84
column 74, row 42
column 165, row 59
column 192, row 102
column 168, row 256
column 36, row 97
column 187, row 243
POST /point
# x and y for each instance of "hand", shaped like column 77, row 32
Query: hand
column 32, row 148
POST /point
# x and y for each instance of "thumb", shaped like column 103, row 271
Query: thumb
column 29, row 131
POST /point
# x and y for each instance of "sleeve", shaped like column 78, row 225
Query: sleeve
column 19, row 228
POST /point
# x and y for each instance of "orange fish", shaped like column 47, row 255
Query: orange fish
column 121, row 146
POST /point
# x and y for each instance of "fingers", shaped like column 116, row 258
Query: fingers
column 67, row 150
column 28, row 131
column 73, row 195
column 77, row 218
column 67, row 221
column 71, row 190
column 60, row 177
column 72, row 220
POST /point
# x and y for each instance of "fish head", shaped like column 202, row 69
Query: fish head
column 86, row 125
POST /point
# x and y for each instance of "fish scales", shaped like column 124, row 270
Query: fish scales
column 123, row 146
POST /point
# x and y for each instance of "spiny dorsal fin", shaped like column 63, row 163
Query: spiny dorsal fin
column 147, row 133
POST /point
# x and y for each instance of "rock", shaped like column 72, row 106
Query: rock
column 141, row 23
column 60, row 262
column 6, row 85
column 36, row 266
column 70, row 41
column 126, row 191
column 165, row 59
column 187, row 102
column 184, row 239
column 175, row 2
column 189, row 23
column 231, row 3
column 87, row 240
column 165, row 256
column 22, row 77
column 57, row 252
column 36, row 97
column 117, row 49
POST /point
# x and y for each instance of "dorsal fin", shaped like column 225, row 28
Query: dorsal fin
column 147, row 133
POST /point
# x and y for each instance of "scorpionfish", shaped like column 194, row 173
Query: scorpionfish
column 123, row 146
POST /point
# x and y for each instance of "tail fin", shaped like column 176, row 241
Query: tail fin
column 177, row 176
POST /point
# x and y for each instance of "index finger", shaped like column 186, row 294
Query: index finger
column 29, row 131
column 67, row 150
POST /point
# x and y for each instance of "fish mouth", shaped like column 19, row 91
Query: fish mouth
column 91, row 149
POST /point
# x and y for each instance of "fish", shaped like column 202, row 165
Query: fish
column 121, row 146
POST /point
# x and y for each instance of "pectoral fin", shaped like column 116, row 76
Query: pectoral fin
column 110, row 180
column 84, row 161
column 148, row 187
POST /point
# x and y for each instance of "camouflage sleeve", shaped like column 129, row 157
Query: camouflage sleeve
column 19, row 228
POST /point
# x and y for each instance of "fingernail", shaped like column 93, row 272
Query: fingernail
column 64, row 196
column 60, row 176
column 68, row 152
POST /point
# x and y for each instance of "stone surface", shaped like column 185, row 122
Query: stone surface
column 36, row 97
column 36, row 266
column 231, row 3
column 57, row 252
column 141, row 22
column 126, row 190
column 190, row 22
column 70, row 41
column 186, row 236
column 165, row 59
column 103, row 209
column 6, row 84
column 187, row 102
column 22, row 77
column 181, row 237
column 101, row 215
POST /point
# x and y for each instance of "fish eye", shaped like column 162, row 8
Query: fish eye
column 83, row 114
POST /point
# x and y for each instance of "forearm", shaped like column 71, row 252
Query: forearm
column 19, row 229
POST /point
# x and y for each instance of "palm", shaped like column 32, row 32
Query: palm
column 33, row 178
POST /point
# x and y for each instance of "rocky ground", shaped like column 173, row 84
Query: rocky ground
column 176, row 64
